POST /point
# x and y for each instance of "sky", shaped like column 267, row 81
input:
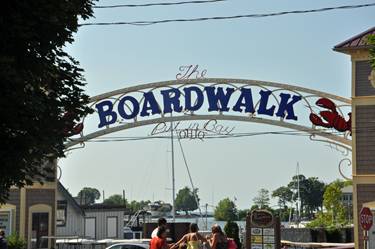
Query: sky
column 293, row 49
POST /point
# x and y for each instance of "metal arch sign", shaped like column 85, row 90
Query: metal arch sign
column 231, row 99
column 214, row 95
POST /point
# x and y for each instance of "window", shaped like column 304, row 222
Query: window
column 131, row 247
column 351, row 197
column 39, row 228
column 345, row 197
column 90, row 227
column 111, row 227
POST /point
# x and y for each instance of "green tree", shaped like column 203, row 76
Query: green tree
column 348, row 183
column 313, row 195
column 262, row 199
column 224, row 210
column 371, row 40
column 311, row 192
column 232, row 231
column 91, row 193
column 338, row 182
column 185, row 200
column 39, row 83
column 135, row 205
column 241, row 214
column 334, row 209
column 115, row 200
column 284, row 194
column 164, row 210
column 332, row 204
column 254, row 207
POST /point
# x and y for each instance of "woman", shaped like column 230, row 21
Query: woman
column 159, row 242
column 219, row 240
column 191, row 238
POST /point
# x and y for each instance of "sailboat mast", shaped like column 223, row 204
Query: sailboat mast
column 298, row 200
column 173, row 190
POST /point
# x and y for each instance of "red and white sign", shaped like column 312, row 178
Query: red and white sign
column 366, row 218
column 366, row 238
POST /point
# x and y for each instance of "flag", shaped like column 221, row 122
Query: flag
column 235, row 198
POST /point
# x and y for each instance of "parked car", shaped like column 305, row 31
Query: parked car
column 129, row 245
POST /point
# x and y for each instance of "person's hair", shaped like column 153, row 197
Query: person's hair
column 217, row 229
column 162, row 221
column 161, row 230
column 2, row 232
column 193, row 227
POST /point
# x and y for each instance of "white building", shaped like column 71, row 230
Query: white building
column 97, row 221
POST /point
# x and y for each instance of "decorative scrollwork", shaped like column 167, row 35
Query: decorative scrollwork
column 344, row 152
column 44, row 180
column 335, row 146
column 349, row 164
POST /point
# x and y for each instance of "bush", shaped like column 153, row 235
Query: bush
column 348, row 236
column 16, row 242
column 334, row 234
column 231, row 231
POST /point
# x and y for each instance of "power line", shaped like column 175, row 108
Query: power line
column 155, row 4
column 141, row 23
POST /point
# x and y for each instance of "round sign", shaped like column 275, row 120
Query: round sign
column 261, row 218
column 366, row 218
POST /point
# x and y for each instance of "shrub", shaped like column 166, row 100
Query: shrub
column 231, row 231
column 16, row 242
column 334, row 234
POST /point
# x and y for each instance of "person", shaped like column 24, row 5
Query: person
column 219, row 241
column 160, row 241
column 192, row 238
column 3, row 240
column 161, row 223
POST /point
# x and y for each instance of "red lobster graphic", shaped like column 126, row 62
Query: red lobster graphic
column 334, row 120
column 265, row 221
column 77, row 128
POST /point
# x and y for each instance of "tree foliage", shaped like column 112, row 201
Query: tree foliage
column 348, row 183
column 232, row 231
column 16, row 242
column 262, row 199
column 164, row 210
column 371, row 40
column 339, row 182
column 334, row 209
column 39, row 83
column 135, row 205
column 115, row 200
column 185, row 200
column 284, row 195
column 311, row 192
column 224, row 210
column 91, row 193
column 241, row 214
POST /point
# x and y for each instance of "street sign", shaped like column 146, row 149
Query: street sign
column 366, row 218
column 366, row 238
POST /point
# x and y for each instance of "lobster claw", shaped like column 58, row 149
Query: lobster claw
column 77, row 129
column 326, row 103
column 315, row 119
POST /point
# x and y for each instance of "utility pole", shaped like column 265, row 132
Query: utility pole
column 206, row 214
column 173, row 190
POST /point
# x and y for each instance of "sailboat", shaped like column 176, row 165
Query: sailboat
column 296, row 223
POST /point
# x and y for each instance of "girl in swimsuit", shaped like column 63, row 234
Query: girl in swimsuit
column 191, row 238
column 219, row 240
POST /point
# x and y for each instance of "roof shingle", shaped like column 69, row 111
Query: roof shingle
column 356, row 41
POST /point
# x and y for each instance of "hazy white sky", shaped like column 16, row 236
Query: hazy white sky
column 293, row 49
